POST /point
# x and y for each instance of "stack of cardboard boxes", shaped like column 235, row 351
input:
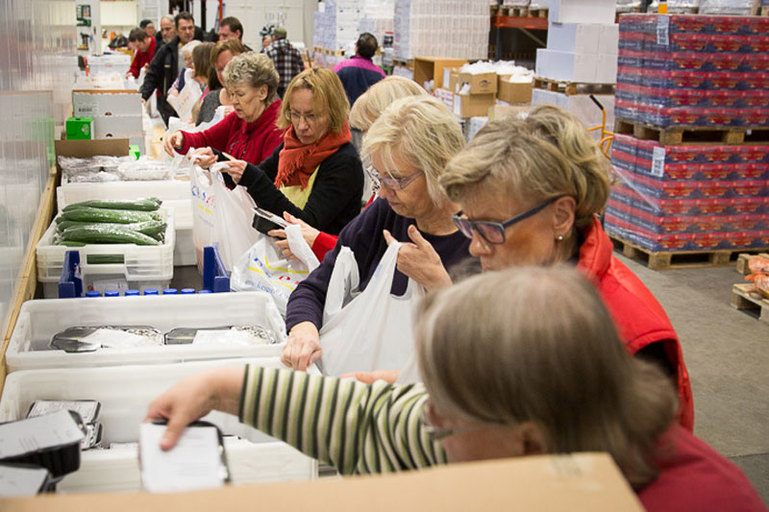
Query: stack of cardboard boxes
column 107, row 114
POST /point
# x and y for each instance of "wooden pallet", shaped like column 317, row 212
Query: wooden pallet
column 572, row 88
column 328, row 51
column 522, row 11
column 692, row 134
column 664, row 260
column 745, row 298
column 742, row 262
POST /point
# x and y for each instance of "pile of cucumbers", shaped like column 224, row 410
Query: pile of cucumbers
column 111, row 222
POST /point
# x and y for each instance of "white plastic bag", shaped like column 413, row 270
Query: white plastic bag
column 264, row 268
column 233, row 212
column 368, row 330
column 186, row 99
column 203, row 204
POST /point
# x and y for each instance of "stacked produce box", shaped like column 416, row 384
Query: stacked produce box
column 693, row 164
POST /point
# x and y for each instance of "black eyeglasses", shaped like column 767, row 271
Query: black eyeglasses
column 494, row 232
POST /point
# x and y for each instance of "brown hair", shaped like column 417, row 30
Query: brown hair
column 328, row 97
column 546, row 155
column 201, row 60
column 235, row 47
column 537, row 344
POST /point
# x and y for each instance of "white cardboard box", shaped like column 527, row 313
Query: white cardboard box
column 106, row 103
column 574, row 37
column 580, row 105
column 582, row 11
column 117, row 127
column 576, row 67
column 609, row 41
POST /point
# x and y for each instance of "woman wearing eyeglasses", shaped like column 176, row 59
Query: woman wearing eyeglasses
column 530, row 192
column 408, row 147
column 537, row 367
column 315, row 174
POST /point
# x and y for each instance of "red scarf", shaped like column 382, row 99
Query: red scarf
column 298, row 161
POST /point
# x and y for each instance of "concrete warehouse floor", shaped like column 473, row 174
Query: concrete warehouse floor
column 726, row 351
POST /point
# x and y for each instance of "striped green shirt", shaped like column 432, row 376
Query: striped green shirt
column 355, row 427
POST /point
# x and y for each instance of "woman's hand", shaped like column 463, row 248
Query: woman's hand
column 173, row 142
column 236, row 169
column 420, row 262
column 303, row 347
column 206, row 159
column 194, row 397
column 309, row 234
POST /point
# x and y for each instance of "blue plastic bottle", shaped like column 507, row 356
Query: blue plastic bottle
column 204, row 291
column 112, row 293
column 188, row 291
column 92, row 293
column 132, row 293
column 170, row 291
column 150, row 291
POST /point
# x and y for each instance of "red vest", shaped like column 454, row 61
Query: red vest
column 638, row 316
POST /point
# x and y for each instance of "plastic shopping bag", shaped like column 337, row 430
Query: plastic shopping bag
column 186, row 99
column 368, row 330
column 232, row 233
column 264, row 268
column 203, row 204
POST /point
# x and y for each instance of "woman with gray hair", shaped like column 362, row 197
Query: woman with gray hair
column 408, row 147
column 515, row 363
column 249, row 133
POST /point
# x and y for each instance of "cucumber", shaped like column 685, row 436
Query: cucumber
column 154, row 228
column 107, row 235
column 68, row 243
column 149, row 204
column 87, row 214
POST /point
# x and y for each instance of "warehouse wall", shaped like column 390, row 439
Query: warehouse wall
column 37, row 69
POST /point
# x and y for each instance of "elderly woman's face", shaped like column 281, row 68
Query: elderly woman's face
column 188, row 60
column 309, row 126
column 248, row 101
column 528, row 242
column 404, row 186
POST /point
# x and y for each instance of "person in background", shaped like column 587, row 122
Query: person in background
column 516, row 363
column 144, row 47
column 316, row 173
column 231, row 28
column 250, row 132
column 287, row 59
column 165, row 65
column 359, row 73
column 408, row 147
column 266, row 41
column 186, row 72
column 148, row 27
column 201, row 70
column 364, row 112
column 221, row 55
column 167, row 30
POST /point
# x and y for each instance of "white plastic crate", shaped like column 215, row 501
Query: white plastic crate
column 143, row 266
column 125, row 394
column 39, row 320
column 175, row 195
column 117, row 469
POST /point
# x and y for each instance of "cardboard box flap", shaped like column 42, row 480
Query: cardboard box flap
column 587, row 482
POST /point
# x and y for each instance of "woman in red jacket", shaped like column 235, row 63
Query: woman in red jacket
column 530, row 191
column 250, row 132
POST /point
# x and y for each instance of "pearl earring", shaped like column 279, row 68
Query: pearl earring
column 559, row 238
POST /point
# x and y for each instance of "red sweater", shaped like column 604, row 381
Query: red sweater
column 252, row 142
column 640, row 319
column 142, row 58
column 695, row 478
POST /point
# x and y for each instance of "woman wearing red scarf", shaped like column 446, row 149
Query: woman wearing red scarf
column 316, row 174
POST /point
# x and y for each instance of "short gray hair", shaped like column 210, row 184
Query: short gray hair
column 537, row 344
column 421, row 130
column 252, row 69
column 188, row 47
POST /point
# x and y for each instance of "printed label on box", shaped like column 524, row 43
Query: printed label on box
column 663, row 30
column 658, row 161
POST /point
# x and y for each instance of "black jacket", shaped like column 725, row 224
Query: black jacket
column 163, row 69
column 335, row 198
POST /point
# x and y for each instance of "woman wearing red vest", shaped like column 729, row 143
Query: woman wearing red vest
column 530, row 191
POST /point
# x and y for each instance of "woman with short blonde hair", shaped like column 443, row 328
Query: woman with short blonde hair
column 407, row 147
column 370, row 105
column 531, row 191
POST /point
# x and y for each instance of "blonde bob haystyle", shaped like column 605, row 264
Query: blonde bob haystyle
column 253, row 69
column 537, row 344
column 420, row 130
column 328, row 98
column 548, row 154
column 370, row 105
